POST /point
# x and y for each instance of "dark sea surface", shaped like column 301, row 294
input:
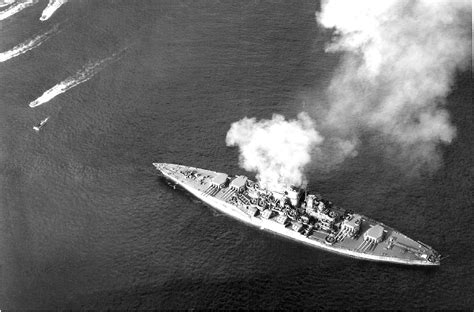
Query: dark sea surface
column 86, row 223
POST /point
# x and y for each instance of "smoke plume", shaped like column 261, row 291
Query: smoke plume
column 399, row 64
column 276, row 149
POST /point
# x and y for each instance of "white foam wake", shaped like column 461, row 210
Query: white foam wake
column 6, row 2
column 52, row 6
column 86, row 73
column 16, row 7
column 27, row 45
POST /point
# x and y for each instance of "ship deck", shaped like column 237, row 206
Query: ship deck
column 390, row 246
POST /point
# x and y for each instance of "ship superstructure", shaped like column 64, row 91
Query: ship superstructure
column 295, row 214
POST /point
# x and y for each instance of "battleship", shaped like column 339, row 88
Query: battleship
column 294, row 213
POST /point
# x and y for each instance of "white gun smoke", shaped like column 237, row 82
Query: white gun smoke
column 399, row 62
column 277, row 149
column 399, row 65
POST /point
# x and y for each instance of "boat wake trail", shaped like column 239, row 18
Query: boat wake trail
column 86, row 73
column 52, row 6
column 6, row 2
column 27, row 45
column 16, row 7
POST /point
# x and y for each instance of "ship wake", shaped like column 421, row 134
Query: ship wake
column 16, row 8
column 6, row 2
column 27, row 45
column 52, row 7
column 86, row 73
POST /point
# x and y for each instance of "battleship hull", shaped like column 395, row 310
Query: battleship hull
column 389, row 246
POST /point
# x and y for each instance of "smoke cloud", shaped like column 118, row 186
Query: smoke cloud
column 399, row 64
column 277, row 149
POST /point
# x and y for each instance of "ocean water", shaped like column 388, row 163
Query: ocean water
column 85, row 222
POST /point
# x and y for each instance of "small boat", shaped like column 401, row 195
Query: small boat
column 41, row 124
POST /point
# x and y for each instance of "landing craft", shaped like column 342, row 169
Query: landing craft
column 38, row 127
column 303, row 217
